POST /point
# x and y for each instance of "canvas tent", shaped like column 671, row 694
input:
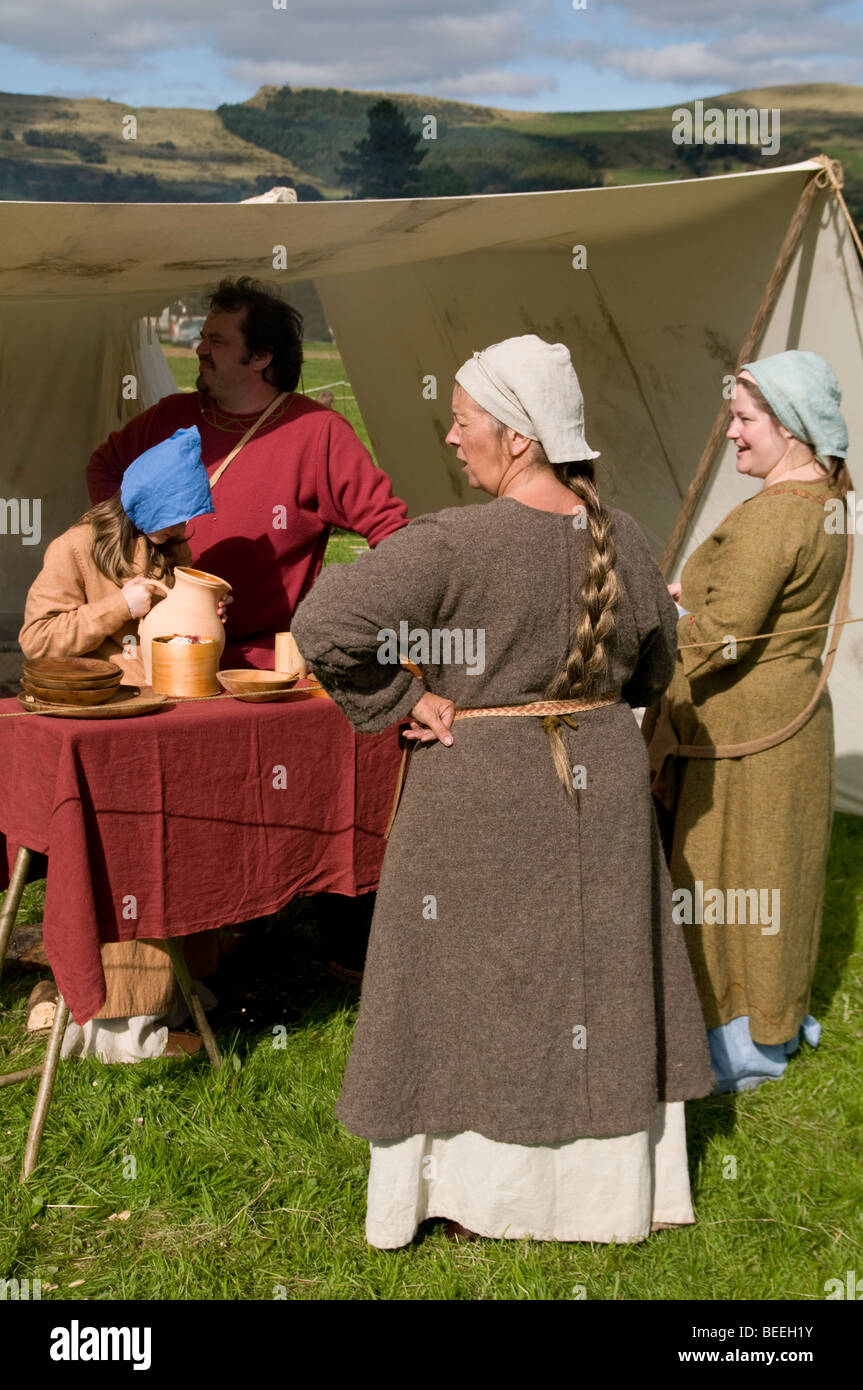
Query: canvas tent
column 655, row 310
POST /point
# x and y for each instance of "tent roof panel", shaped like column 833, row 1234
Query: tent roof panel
column 81, row 250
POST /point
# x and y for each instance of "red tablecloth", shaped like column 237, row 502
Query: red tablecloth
column 201, row 814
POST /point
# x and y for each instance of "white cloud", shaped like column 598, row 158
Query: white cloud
column 332, row 33
column 823, row 40
column 496, row 84
column 333, row 43
column 700, row 63
column 449, row 47
column 757, row 45
column 720, row 16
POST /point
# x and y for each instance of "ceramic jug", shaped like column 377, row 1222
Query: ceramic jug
column 190, row 608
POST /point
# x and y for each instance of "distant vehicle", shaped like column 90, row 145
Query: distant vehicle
column 186, row 332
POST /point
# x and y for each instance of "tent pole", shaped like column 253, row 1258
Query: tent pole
column 825, row 177
column 836, row 179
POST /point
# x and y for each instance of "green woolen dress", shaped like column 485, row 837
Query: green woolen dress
column 761, row 821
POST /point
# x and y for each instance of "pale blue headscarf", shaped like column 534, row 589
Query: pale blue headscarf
column 802, row 391
column 167, row 484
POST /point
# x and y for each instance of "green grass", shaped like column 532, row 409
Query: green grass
column 247, row 1188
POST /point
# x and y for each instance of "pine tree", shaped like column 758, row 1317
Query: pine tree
column 385, row 163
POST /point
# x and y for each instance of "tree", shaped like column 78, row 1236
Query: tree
column 385, row 163
column 442, row 181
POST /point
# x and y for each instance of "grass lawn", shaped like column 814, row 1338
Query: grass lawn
column 166, row 1181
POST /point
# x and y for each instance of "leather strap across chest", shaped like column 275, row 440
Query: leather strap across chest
column 253, row 429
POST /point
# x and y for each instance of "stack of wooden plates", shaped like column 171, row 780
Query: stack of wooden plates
column 74, row 680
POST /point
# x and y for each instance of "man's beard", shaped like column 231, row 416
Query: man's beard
column 200, row 384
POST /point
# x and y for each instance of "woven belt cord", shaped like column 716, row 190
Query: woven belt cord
column 552, row 710
column 537, row 707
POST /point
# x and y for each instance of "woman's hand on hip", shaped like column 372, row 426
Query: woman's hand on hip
column 674, row 590
column 432, row 716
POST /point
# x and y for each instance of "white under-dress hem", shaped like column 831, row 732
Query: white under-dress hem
column 611, row 1191
column 137, row 1039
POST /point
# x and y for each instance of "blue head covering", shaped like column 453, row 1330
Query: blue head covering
column 167, row 484
column 802, row 391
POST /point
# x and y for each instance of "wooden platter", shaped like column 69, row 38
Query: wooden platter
column 129, row 701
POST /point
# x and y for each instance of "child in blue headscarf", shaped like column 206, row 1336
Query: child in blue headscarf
column 95, row 579
column 93, row 588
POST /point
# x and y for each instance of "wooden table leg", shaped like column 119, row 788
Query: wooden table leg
column 12, row 900
column 46, row 1087
column 190, row 994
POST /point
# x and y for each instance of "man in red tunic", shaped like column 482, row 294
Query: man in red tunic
column 303, row 472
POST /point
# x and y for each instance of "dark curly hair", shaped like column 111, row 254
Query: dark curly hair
column 268, row 324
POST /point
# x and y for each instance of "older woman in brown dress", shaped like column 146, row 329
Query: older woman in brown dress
column 529, row 1027
column 751, row 832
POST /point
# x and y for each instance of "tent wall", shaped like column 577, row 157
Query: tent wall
column 653, row 323
column 61, row 393
column 674, row 274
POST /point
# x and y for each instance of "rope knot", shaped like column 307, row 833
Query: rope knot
column 552, row 722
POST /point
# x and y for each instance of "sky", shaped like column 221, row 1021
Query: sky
column 538, row 55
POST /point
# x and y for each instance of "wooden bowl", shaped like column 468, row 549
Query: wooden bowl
column 70, row 670
column 70, row 696
column 256, row 687
column 63, row 683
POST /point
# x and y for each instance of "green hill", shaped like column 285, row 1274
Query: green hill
column 64, row 149
column 60, row 149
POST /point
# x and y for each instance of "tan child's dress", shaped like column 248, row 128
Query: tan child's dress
column 73, row 609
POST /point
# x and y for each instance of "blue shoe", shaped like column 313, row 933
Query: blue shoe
column 739, row 1064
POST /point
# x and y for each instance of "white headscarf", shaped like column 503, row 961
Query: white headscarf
column 531, row 386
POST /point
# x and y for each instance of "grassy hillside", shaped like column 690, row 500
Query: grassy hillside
column 178, row 155
column 495, row 150
column 58, row 148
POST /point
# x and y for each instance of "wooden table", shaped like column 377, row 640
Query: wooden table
column 203, row 813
